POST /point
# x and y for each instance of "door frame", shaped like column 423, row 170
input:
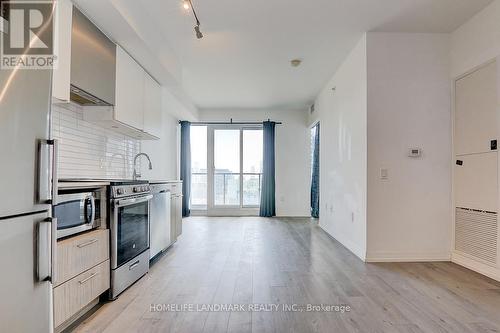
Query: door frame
column 226, row 210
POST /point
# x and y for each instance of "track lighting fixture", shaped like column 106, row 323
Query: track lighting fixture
column 199, row 35
column 189, row 4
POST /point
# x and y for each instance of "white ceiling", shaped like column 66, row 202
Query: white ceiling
column 243, row 60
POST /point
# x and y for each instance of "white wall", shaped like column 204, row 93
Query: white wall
column 292, row 154
column 409, row 215
column 477, row 41
column 342, row 116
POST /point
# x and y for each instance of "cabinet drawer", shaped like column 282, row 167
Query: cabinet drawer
column 73, row 295
column 77, row 254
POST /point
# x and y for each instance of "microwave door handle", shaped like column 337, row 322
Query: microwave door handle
column 92, row 210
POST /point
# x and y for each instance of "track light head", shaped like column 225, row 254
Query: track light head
column 199, row 34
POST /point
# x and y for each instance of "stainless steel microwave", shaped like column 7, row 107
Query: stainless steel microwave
column 77, row 212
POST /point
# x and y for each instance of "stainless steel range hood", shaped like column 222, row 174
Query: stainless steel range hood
column 93, row 64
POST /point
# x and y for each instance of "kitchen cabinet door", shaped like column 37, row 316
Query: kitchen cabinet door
column 178, row 216
column 129, row 108
column 476, row 111
column 152, row 106
column 62, row 48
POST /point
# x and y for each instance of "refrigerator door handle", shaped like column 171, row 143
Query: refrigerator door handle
column 46, row 250
column 47, row 172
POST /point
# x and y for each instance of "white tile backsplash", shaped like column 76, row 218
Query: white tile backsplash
column 87, row 150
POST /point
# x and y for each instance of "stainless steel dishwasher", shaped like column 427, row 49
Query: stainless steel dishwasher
column 160, row 237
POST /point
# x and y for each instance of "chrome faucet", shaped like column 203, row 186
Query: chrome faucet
column 137, row 174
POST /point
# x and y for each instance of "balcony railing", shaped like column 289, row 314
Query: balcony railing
column 227, row 193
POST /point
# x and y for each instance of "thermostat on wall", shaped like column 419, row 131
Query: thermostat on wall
column 415, row 152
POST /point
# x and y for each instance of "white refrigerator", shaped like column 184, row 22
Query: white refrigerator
column 27, row 182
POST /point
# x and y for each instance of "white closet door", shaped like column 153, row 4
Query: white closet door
column 476, row 181
column 476, row 108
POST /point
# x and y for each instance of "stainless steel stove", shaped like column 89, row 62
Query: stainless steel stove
column 129, row 227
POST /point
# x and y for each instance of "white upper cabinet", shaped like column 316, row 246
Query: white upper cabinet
column 476, row 111
column 137, row 109
column 62, row 74
column 152, row 106
column 129, row 105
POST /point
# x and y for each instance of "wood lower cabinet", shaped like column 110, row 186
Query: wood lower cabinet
column 79, row 253
column 73, row 295
column 82, row 275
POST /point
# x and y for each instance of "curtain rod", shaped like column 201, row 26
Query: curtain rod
column 231, row 122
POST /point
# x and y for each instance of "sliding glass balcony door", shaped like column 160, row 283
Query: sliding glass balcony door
column 226, row 169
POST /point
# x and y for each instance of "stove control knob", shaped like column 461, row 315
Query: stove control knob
column 144, row 188
column 136, row 189
column 119, row 191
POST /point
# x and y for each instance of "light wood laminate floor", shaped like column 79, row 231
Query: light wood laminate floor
column 292, row 261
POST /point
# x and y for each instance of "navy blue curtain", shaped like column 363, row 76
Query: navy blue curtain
column 186, row 166
column 267, row 196
column 315, row 176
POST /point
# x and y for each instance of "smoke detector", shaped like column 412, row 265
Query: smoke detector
column 295, row 62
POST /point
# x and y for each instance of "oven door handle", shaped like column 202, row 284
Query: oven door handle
column 128, row 202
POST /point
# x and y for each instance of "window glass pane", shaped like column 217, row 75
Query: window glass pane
column 227, row 189
column 252, row 151
column 199, row 149
column 251, row 190
column 227, row 151
column 198, row 166
column 198, row 189
column 219, row 189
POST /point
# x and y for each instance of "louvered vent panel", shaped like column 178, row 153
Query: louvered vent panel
column 476, row 234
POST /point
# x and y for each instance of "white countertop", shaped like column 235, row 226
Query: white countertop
column 76, row 183
column 82, row 184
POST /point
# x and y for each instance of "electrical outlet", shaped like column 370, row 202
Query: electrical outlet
column 101, row 163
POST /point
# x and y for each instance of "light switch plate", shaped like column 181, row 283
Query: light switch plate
column 384, row 174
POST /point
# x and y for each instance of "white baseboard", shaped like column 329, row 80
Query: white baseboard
column 347, row 244
column 407, row 257
column 476, row 266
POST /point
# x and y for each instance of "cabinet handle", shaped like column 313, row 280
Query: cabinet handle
column 87, row 243
column 93, row 275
